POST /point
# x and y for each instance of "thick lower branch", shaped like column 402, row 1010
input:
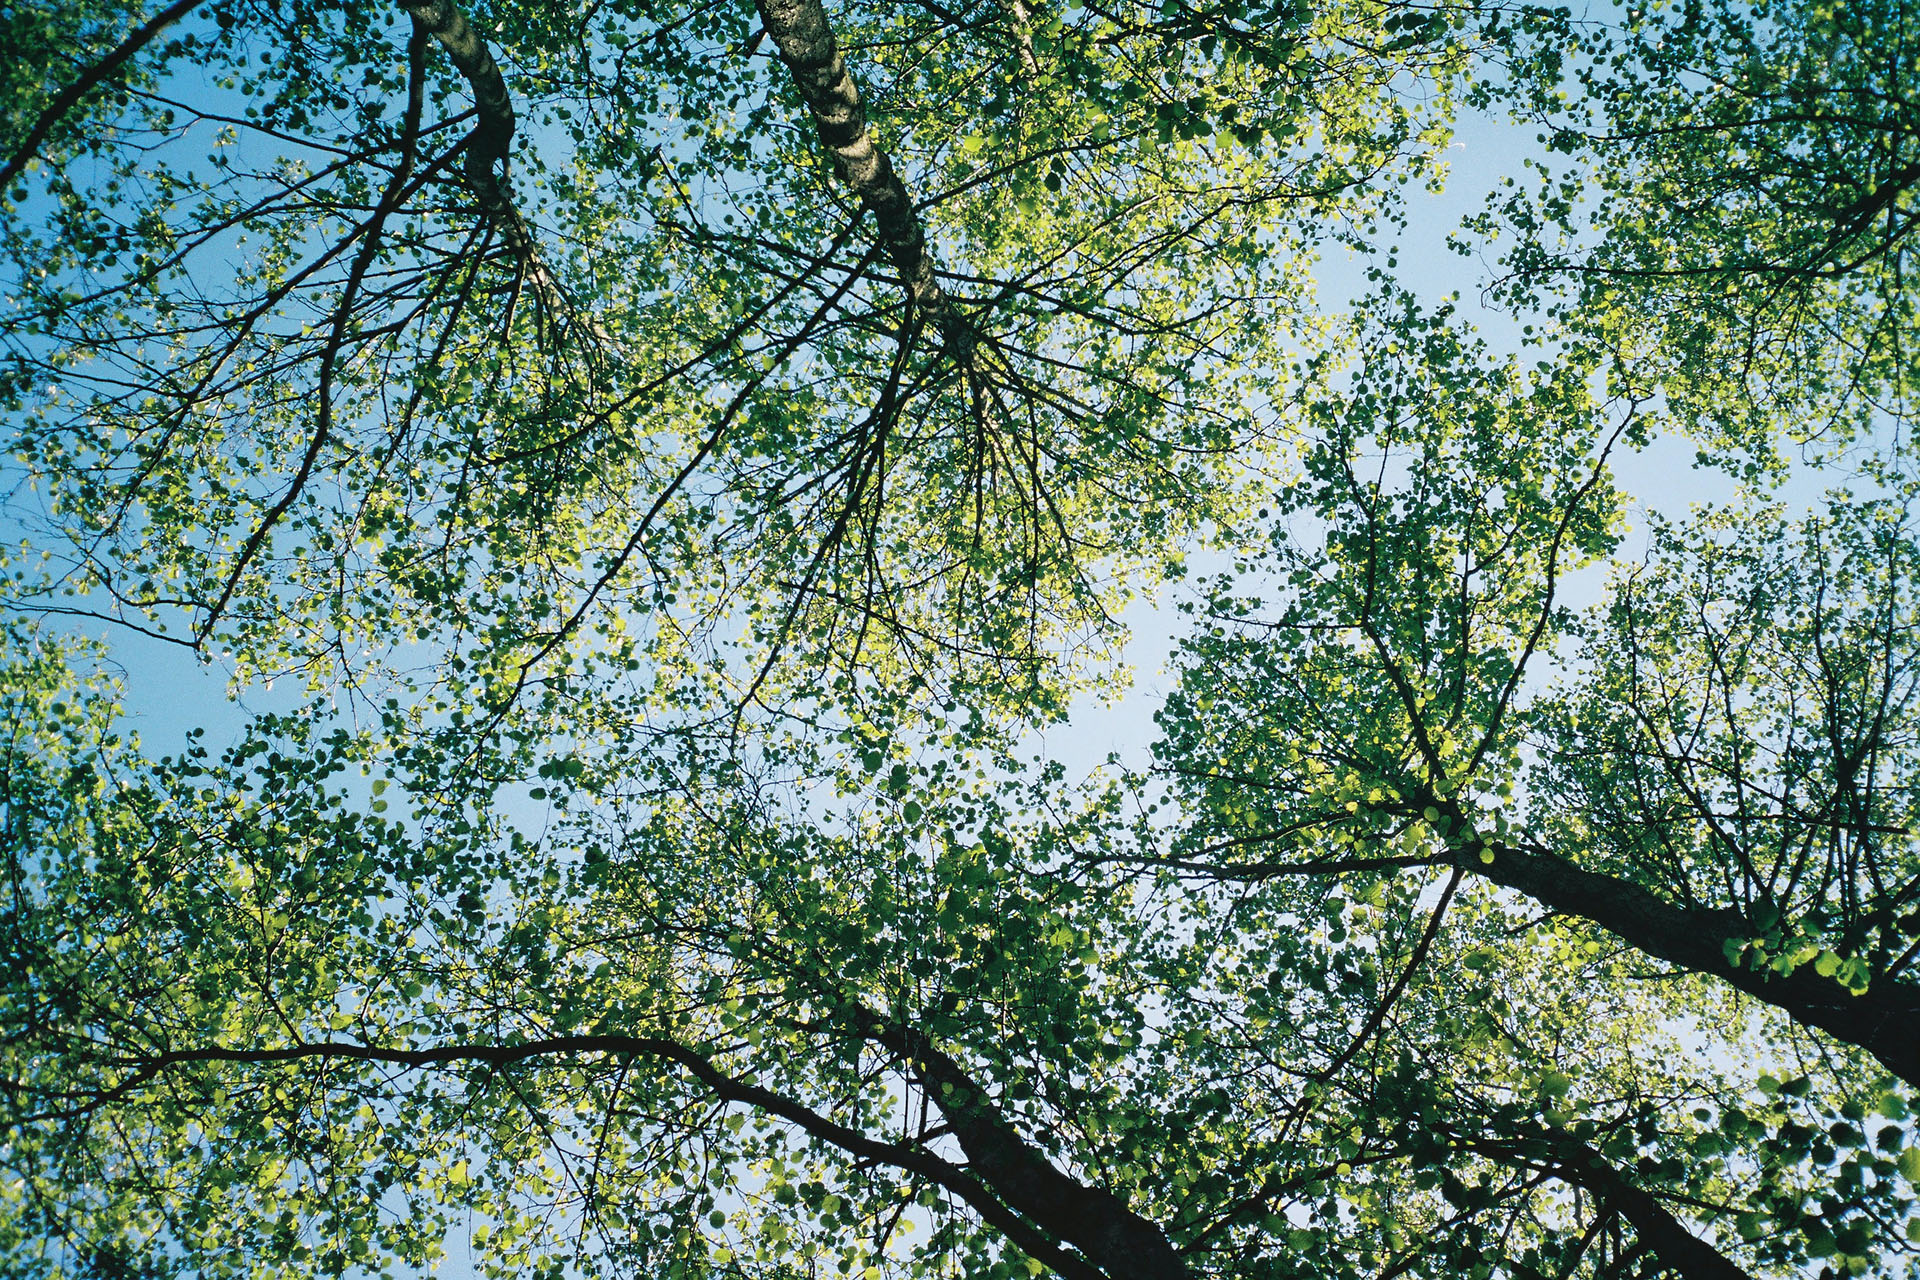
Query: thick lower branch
column 1658, row 1229
column 1885, row 1020
column 963, row 1183
column 1576, row 1162
column 1115, row 1239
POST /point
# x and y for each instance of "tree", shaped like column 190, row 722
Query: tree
column 676, row 454
column 1733, row 214
column 932, row 390
column 1717, row 784
column 1722, row 784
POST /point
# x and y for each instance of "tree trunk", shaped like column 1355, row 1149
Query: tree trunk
column 1121, row 1243
column 800, row 31
column 1577, row 1163
column 1885, row 1020
column 489, row 144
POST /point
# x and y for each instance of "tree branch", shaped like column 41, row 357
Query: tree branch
column 806, row 43
column 323, row 394
column 91, row 79
column 1576, row 1162
column 488, row 146
column 961, row 1182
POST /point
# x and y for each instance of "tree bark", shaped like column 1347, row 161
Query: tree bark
column 1122, row 1244
column 1665, row 1234
column 489, row 144
column 1023, row 36
column 1884, row 1021
column 801, row 33
column 1576, row 1162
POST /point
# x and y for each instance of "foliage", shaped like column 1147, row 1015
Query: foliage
column 1733, row 212
column 672, row 458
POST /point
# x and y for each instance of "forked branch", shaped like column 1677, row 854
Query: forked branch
column 806, row 43
column 489, row 144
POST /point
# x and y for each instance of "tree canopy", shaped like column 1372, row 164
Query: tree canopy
column 644, row 476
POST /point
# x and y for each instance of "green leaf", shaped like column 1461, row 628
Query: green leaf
column 1909, row 1165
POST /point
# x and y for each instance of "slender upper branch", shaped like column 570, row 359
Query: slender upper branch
column 90, row 79
column 489, row 144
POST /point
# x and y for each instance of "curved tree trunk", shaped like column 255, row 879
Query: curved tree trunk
column 489, row 144
column 1578, row 1164
column 1122, row 1244
column 801, row 33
